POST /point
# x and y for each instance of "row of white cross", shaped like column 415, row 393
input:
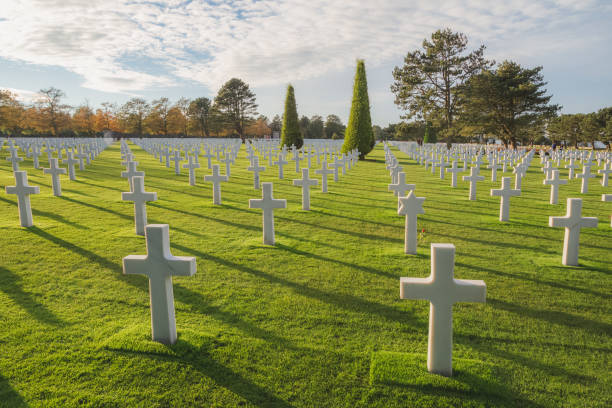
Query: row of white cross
column 159, row 265
column 441, row 289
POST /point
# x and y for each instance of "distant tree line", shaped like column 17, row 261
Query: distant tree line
column 232, row 113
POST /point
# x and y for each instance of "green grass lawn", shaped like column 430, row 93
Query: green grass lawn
column 315, row 321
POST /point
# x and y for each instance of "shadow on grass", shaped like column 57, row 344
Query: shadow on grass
column 9, row 284
column 67, row 190
column 46, row 214
column 351, row 233
column 9, row 396
column 199, row 304
column 553, row 317
column 97, row 207
column 85, row 253
column 343, row 301
column 532, row 363
column 538, row 281
column 336, row 261
column 326, row 214
column 97, row 185
column 238, row 225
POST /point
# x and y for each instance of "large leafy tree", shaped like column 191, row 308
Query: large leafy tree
column 53, row 112
column 507, row 101
column 565, row 128
column 159, row 116
column 305, row 127
column 236, row 103
column 11, row 112
column 132, row 115
column 359, row 132
column 315, row 128
column 333, row 125
column 181, row 116
column 290, row 133
column 277, row 124
column 427, row 87
column 200, row 113
column 84, row 120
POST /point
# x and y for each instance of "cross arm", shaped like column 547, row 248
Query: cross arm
column 588, row 222
column 135, row 265
column 182, row 265
column 558, row 222
column 415, row 288
column 470, row 290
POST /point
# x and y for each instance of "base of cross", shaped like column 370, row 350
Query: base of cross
column 137, row 339
column 410, row 370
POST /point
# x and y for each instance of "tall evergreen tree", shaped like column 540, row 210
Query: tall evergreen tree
column 236, row 104
column 359, row 132
column 290, row 133
column 507, row 101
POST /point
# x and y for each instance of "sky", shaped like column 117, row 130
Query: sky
column 113, row 50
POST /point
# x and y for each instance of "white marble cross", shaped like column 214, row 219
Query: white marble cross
column 336, row 165
column 400, row 188
column 494, row 167
column 608, row 198
column 454, row 170
column 55, row 172
column 81, row 157
column 554, row 182
column 296, row 157
column 70, row 161
column 505, row 192
column 605, row 172
column 256, row 169
column 159, row 266
column 547, row 169
column 572, row 222
column 519, row 173
column 216, row 179
column 443, row 165
column 192, row 165
column 227, row 160
column 305, row 182
column 268, row 204
column 478, row 162
column 280, row 163
column 14, row 159
column 208, row 156
column 585, row 176
column 35, row 156
column 23, row 190
column 395, row 170
column 572, row 167
column 177, row 162
column 442, row 290
column 139, row 196
column 131, row 173
column 324, row 172
column 410, row 206
column 473, row 178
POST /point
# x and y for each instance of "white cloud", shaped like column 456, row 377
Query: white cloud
column 264, row 42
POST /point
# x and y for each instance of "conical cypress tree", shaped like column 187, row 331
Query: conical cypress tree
column 359, row 132
column 290, row 133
